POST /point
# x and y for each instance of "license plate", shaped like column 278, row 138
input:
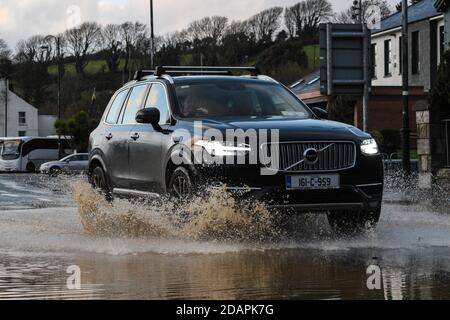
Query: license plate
column 313, row 182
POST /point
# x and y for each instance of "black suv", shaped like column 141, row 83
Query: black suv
column 154, row 129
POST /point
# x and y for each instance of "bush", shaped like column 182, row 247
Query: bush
column 440, row 94
column 391, row 141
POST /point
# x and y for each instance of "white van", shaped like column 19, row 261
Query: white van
column 26, row 154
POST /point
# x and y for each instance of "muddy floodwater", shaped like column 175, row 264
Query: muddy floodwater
column 129, row 251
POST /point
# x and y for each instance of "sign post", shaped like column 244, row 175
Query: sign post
column 346, row 62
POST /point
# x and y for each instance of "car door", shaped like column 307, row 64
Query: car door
column 127, row 121
column 146, row 167
column 115, row 142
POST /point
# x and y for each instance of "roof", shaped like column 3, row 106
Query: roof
column 421, row 10
column 442, row 5
column 308, row 83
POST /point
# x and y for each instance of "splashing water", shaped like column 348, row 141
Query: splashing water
column 215, row 215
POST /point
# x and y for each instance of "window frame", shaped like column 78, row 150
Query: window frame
column 388, row 58
column 169, row 111
column 128, row 89
column 24, row 118
column 125, row 105
column 415, row 53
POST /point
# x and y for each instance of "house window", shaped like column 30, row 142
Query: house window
column 387, row 58
column 22, row 133
column 400, row 55
column 22, row 118
column 441, row 43
column 374, row 61
column 415, row 63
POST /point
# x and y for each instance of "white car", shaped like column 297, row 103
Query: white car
column 75, row 163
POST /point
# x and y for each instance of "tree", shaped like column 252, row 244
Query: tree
column 304, row 17
column 290, row 22
column 112, row 45
column 5, row 59
column 346, row 15
column 440, row 94
column 130, row 34
column 79, row 127
column 82, row 41
column 208, row 27
column 264, row 24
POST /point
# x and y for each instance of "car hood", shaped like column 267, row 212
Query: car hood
column 52, row 163
column 292, row 129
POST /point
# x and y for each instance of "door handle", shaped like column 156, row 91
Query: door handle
column 109, row 136
column 135, row 136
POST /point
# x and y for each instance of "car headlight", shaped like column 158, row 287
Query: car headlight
column 224, row 149
column 369, row 147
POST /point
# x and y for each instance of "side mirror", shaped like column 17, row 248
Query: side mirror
column 148, row 115
column 322, row 114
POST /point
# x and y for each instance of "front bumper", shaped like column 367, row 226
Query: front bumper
column 361, row 187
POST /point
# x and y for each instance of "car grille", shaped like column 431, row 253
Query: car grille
column 332, row 156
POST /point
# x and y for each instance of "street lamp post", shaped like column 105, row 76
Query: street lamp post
column 58, row 53
column 405, row 91
column 152, row 37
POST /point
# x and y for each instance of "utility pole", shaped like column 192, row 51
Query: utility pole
column 152, row 37
column 367, row 81
column 58, row 57
column 405, row 91
column 6, row 107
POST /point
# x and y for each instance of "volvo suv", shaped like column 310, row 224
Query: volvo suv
column 176, row 129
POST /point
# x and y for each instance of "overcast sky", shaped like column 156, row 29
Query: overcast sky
column 20, row 19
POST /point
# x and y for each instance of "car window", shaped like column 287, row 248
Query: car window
column 116, row 106
column 234, row 99
column 84, row 157
column 157, row 98
column 134, row 104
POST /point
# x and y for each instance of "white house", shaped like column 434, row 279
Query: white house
column 17, row 117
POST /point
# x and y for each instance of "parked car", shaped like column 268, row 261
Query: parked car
column 75, row 163
column 324, row 166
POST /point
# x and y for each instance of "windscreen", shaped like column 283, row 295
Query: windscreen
column 10, row 150
column 238, row 99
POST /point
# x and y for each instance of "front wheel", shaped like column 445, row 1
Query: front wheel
column 181, row 184
column 31, row 168
column 100, row 183
column 353, row 222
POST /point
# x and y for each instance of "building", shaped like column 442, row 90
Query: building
column 426, row 45
column 19, row 118
column 444, row 7
column 308, row 89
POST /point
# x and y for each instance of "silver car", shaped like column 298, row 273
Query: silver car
column 75, row 163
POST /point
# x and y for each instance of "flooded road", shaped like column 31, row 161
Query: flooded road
column 41, row 235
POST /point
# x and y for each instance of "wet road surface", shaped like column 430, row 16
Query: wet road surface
column 41, row 236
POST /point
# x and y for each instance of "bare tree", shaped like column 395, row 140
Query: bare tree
column 290, row 22
column 308, row 14
column 5, row 52
column 208, row 27
column 346, row 15
column 111, row 36
column 81, row 41
column 130, row 34
column 264, row 24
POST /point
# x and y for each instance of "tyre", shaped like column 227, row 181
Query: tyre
column 31, row 168
column 353, row 222
column 100, row 183
column 54, row 171
column 181, row 184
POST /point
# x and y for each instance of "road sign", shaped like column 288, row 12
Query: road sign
column 345, row 59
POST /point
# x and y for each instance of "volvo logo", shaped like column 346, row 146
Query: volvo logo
column 311, row 156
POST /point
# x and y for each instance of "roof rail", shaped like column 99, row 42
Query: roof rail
column 194, row 70
column 254, row 71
